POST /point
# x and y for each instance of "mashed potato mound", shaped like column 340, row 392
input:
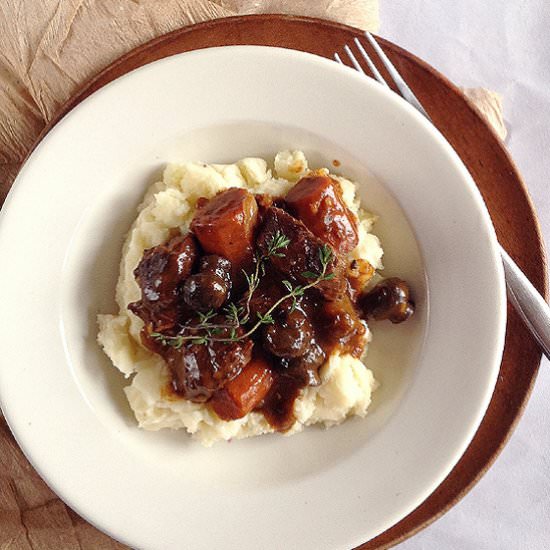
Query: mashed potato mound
column 346, row 384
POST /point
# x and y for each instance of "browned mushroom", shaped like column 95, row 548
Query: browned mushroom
column 389, row 299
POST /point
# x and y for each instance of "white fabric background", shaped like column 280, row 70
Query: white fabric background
column 503, row 45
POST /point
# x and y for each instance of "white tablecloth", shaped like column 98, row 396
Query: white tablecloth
column 503, row 45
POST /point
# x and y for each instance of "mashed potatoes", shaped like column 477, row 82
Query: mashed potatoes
column 346, row 384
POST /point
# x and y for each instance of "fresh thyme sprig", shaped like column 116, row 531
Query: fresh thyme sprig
column 278, row 240
column 238, row 316
column 208, row 329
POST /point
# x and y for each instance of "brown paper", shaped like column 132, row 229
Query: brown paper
column 363, row 14
column 48, row 49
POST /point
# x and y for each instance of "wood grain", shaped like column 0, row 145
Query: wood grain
column 30, row 514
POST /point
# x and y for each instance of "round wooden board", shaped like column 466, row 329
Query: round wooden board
column 491, row 167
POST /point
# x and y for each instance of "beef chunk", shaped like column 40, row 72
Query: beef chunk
column 160, row 274
column 301, row 255
column 199, row 370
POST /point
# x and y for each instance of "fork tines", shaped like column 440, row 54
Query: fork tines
column 400, row 83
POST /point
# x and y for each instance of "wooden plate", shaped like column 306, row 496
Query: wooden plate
column 491, row 167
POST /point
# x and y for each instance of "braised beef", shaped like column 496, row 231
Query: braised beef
column 302, row 254
column 199, row 370
column 151, row 343
column 160, row 274
column 267, row 293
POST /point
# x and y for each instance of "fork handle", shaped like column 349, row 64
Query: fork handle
column 527, row 302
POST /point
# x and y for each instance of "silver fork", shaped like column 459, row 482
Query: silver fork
column 523, row 295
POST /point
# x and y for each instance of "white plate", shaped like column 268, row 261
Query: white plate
column 60, row 235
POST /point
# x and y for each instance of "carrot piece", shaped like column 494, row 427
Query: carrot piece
column 317, row 201
column 225, row 225
column 245, row 392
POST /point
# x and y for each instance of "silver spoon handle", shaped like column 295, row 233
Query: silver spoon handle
column 528, row 302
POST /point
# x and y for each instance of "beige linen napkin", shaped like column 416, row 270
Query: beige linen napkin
column 489, row 103
column 48, row 49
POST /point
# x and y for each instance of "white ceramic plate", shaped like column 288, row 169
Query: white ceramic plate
column 60, row 235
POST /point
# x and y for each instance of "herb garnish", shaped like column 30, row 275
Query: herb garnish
column 237, row 316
